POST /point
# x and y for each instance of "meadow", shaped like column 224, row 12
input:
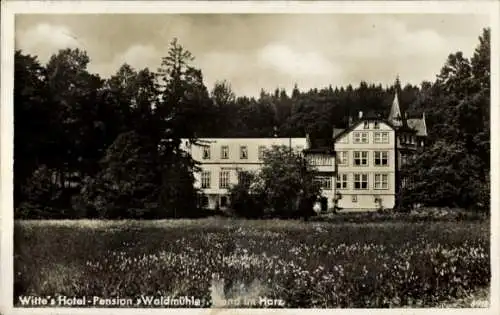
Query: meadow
column 301, row 264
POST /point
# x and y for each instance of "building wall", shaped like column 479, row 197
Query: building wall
column 234, row 145
column 352, row 198
column 325, row 166
column 215, row 164
column 364, row 199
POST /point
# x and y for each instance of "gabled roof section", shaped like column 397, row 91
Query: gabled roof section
column 395, row 114
column 371, row 115
column 419, row 125
column 337, row 131
column 357, row 123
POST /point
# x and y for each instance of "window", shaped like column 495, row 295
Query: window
column 381, row 158
column 376, row 125
column 360, row 137
column 360, row 181
column 354, row 198
column 342, row 158
column 205, row 179
column 243, row 152
column 360, row 158
column 224, row 152
column 381, row 137
column 341, row 181
column 366, row 125
column 325, row 182
column 206, row 153
column 320, row 160
column 224, row 179
column 381, row 181
column 261, row 152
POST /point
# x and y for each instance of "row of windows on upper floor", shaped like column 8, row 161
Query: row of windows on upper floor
column 360, row 181
column 380, row 137
column 224, row 152
column 362, row 137
column 361, row 158
column 358, row 137
column 342, row 156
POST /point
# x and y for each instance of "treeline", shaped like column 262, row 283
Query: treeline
column 85, row 146
column 455, row 169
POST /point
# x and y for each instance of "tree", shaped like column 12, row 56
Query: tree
column 223, row 99
column 246, row 201
column 73, row 92
column 182, row 111
column 127, row 186
column 284, row 187
column 31, row 121
column 454, row 170
column 481, row 76
column 444, row 175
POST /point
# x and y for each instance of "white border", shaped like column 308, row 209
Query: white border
column 10, row 8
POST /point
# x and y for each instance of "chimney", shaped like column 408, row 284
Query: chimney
column 360, row 114
column 349, row 123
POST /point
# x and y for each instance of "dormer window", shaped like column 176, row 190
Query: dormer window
column 376, row 125
column 366, row 125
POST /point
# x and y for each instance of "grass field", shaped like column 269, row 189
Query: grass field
column 219, row 260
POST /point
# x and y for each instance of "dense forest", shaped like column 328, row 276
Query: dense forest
column 86, row 146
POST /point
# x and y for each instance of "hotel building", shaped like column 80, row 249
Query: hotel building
column 358, row 166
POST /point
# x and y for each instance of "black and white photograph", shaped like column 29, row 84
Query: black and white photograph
column 306, row 155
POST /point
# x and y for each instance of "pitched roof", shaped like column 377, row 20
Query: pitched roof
column 355, row 124
column 395, row 113
column 337, row 131
column 418, row 124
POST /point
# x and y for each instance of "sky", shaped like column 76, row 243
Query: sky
column 263, row 51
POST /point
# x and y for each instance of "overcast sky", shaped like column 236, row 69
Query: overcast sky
column 264, row 50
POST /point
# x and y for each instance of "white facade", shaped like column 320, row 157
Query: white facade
column 223, row 158
column 366, row 162
column 363, row 172
column 324, row 163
